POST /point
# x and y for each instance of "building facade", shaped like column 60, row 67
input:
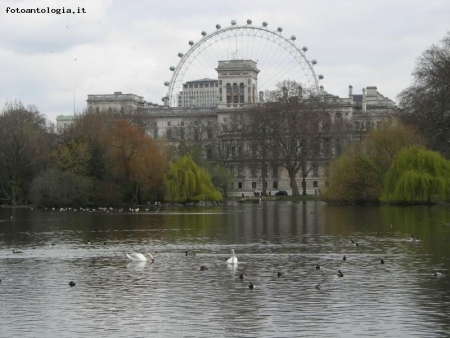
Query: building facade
column 207, row 107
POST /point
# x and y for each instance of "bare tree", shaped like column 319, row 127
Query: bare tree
column 25, row 141
column 426, row 102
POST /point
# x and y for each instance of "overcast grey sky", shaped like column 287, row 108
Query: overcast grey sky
column 128, row 46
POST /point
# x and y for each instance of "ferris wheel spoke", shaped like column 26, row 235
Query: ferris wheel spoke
column 277, row 57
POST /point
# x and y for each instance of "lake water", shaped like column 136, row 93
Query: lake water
column 173, row 298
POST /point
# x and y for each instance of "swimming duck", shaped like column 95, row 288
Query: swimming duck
column 241, row 276
column 382, row 261
column 189, row 253
column 72, row 283
column 251, row 286
column 317, row 266
column 344, row 258
column 340, row 274
column 203, row 268
column 17, row 251
column 438, row 273
column 279, row 274
column 318, row 286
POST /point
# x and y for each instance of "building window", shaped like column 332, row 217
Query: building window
column 315, row 170
column 240, row 151
column 240, row 185
column 275, row 185
column 274, row 152
column 274, row 170
column 315, row 184
column 241, row 88
column 182, row 123
column 240, row 171
column 233, row 151
column 228, row 88
column 254, row 174
column 231, row 168
column 327, row 184
column 253, row 185
column 209, row 154
column 168, row 124
column 235, row 88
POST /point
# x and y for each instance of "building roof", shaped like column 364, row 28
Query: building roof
column 202, row 80
column 66, row 117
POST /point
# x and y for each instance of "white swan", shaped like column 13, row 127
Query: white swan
column 139, row 257
column 233, row 259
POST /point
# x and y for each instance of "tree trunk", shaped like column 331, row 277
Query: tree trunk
column 303, row 185
column 294, row 186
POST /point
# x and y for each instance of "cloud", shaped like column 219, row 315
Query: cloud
column 46, row 59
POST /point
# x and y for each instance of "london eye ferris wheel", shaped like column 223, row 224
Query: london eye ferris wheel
column 278, row 58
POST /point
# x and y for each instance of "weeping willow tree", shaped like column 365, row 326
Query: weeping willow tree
column 417, row 175
column 187, row 182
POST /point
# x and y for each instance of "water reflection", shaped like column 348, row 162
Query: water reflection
column 173, row 297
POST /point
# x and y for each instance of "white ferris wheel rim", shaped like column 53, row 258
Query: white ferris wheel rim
column 234, row 31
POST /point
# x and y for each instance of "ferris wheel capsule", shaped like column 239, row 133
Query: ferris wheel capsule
column 233, row 22
column 218, row 26
column 166, row 83
column 264, row 23
column 279, row 29
column 320, row 77
column 203, row 33
column 191, row 42
column 293, row 37
column 314, row 62
column 172, row 68
column 180, row 54
column 305, row 48
column 249, row 22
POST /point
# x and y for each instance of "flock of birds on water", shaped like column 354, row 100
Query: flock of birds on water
column 233, row 260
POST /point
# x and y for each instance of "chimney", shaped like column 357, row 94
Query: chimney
column 300, row 91
column 321, row 93
column 350, row 92
column 364, row 102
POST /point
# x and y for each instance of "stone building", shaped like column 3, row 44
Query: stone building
column 199, row 93
column 200, row 119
